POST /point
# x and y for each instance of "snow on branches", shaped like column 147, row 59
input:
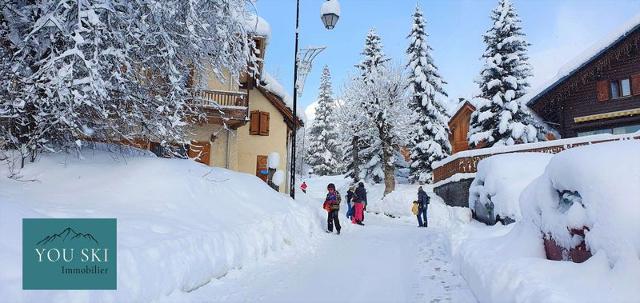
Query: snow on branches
column 501, row 118
column 110, row 70
column 430, row 139
column 374, row 110
column 324, row 150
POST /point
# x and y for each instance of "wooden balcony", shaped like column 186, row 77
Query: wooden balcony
column 230, row 108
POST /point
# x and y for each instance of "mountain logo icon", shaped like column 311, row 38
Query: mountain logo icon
column 67, row 235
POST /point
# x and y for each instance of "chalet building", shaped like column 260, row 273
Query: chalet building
column 459, row 127
column 599, row 94
column 246, row 120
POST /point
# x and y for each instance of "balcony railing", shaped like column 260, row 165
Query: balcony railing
column 215, row 99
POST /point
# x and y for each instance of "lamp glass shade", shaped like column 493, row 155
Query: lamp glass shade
column 329, row 20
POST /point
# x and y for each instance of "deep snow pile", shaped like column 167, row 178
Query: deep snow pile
column 501, row 178
column 513, row 267
column 180, row 224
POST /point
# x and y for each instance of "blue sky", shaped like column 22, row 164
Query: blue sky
column 557, row 30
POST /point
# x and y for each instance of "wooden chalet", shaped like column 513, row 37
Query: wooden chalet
column 599, row 93
column 459, row 127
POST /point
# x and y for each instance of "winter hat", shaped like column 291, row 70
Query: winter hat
column 331, row 186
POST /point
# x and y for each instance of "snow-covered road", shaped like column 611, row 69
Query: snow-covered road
column 385, row 261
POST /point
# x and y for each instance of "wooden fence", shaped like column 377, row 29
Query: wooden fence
column 469, row 164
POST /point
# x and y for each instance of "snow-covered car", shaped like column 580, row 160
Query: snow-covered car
column 494, row 193
column 588, row 201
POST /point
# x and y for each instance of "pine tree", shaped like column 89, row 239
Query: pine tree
column 357, row 156
column 324, row 148
column 430, row 140
column 501, row 118
column 368, row 146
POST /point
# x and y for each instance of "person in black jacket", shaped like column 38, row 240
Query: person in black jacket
column 423, row 203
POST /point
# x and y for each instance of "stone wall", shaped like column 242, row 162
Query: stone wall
column 455, row 193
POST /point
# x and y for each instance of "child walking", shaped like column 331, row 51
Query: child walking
column 332, row 205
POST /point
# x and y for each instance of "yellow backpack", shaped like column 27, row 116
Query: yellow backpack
column 415, row 208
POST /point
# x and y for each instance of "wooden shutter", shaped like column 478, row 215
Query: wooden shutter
column 635, row 84
column 262, row 171
column 264, row 123
column 602, row 90
column 200, row 151
column 254, row 123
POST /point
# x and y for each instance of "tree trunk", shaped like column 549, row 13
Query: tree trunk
column 356, row 158
column 387, row 158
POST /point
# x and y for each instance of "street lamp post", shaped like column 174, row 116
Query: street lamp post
column 329, row 13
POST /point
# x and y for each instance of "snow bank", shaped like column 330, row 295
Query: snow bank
column 395, row 204
column 513, row 267
column 501, row 178
column 180, row 224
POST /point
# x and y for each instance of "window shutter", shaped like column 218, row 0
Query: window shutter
column 635, row 84
column 262, row 171
column 254, row 123
column 602, row 88
column 264, row 123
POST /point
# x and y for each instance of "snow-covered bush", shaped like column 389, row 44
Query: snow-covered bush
column 593, row 186
column 181, row 224
column 500, row 179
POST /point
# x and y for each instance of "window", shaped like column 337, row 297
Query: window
column 625, row 86
column 259, row 123
column 629, row 129
column 620, row 88
column 616, row 130
column 595, row 132
column 615, row 89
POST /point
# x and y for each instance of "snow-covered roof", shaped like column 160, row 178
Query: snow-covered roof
column 583, row 59
column 272, row 85
column 258, row 26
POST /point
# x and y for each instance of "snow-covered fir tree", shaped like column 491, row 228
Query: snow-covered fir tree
column 323, row 152
column 430, row 139
column 110, row 70
column 501, row 118
column 367, row 142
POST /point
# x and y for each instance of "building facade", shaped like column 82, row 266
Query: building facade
column 600, row 92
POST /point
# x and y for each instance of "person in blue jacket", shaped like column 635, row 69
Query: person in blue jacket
column 423, row 203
